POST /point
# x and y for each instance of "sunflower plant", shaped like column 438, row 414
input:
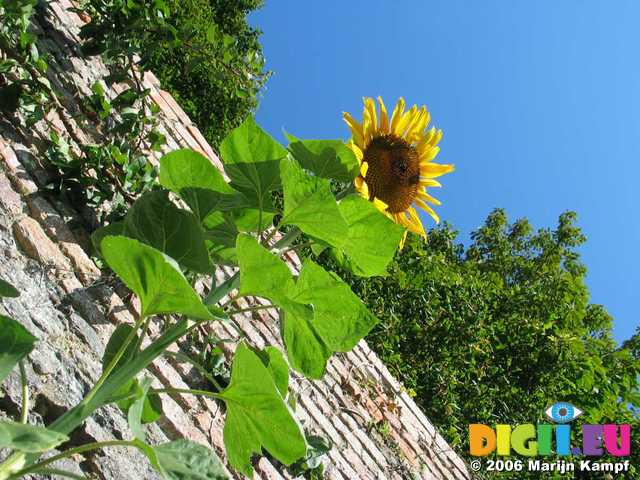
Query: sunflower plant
column 197, row 220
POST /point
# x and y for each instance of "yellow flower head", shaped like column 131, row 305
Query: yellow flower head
column 396, row 161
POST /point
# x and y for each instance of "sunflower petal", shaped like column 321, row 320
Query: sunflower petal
column 362, row 187
column 436, row 138
column 433, row 170
column 425, row 142
column 429, row 182
column 364, row 168
column 384, row 118
column 397, row 114
column 429, row 154
column 371, row 106
column 404, row 239
column 429, row 210
column 380, row 205
column 406, row 119
column 357, row 151
column 415, row 224
column 425, row 196
column 356, row 129
column 415, row 131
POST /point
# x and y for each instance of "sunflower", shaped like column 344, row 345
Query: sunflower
column 396, row 161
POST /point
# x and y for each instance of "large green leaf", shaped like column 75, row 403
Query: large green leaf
column 222, row 229
column 251, row 157
column 220, row 234
column 261, row 272
column 251, row 220
column 326, row 158
column 340, row 318
column 372, row 238
column 277, row 366
column 310, row 205
column 8, row 290
column 193, row 177
column 184, row 460
column 307, row 351
column 320, row 313
column 154, row 277
column 29, row 438
column 113, row 229
column 156, row 221
column 15, row 343
column 257, row 416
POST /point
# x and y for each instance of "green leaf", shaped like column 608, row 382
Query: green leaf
column 136, row 410
column 310, row 205
column 29, row 438
column 15, row 343
column 257, row 416
column 222, row 229
column 251, row 158
column 249, row 219
column 220, row 234
column 340, row 318
column 151, row 406
column 193, row 177
column 262, row 273
column 326, row 158
column 154, row 277
column 307, row 351
column 8, row 290
column 277, row 366
column 185, row 460
column 372, row 238
column 113, row 229
column 156, row 221
column 125, row 99
column 320, row 313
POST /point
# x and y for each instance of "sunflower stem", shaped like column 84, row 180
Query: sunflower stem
column 24, row 417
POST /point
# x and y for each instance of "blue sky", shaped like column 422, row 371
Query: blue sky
column 539, row 102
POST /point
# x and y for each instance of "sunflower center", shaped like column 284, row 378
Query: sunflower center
column 393, row 175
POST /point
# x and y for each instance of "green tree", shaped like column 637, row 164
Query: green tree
column 203, row 52
column 218, row 72
column 498, row 331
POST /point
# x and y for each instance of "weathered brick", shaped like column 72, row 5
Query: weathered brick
column 38, row 245
column 10, row 200
column 58, row 229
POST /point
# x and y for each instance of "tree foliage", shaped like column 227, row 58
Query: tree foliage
column 203, row 52
column 217, row 74
column 496, row 332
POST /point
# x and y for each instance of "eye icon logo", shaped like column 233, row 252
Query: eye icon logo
column 562, row 412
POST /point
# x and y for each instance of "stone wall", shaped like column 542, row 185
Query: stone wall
column 376, row 429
